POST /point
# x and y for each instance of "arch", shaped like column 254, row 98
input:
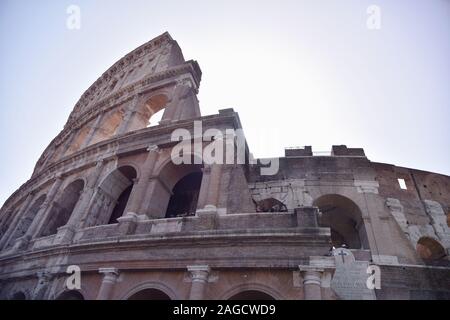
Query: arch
column 270, row 205
column 25, row 221
column 145, row 111
column 251, row 295
column 151, row 287
column 344, row 218
column 109, row 126
column 184, row 198
column 70, row 295
column 175, row 184
column 63, row 208
column 149, row 294
column 261, row 289
column 430, row 249
column 19, row 295
column 79, row 139
column 113, row 194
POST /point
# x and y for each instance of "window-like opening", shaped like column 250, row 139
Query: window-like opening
column 402, row 184
column 149, row 294
column 155, row 118
column 270, row 205
column 112, row 196
column 430, row 250
column 121, row 205
column 251, row 295
column 344, row 218
column 147, row 114
column 25, row 222
column 62, row 208
column 184, row 197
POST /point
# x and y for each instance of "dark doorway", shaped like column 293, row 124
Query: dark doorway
column 70, row 295
column 149, row 294
column 251, row 295
column 62, row 209
column 121, row 205
column 184, row 197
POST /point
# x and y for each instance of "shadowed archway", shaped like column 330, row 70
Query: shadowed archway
column 63, row 207
column 149, row 294
column 70, row 295
column 251, row 295
column 344, row 218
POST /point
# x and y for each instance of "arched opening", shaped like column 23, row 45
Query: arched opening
column 270, row 205
column 183, row 201
column 429, row 249
column 62, row 208
column 144, row 116
column 108, row 126
column 18, row 296
column 70, row 295
column 155, row 118
column 344, row 218
column 121, row 205
column 252, row 295
column 113, row 195
column 80, row 137
column 149, row 294
column 176, row 190
column 25, row 222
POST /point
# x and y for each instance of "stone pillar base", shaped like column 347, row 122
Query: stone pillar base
column 128, row 223
column 64, row 235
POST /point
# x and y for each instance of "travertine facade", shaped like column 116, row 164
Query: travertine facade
column 107, row 197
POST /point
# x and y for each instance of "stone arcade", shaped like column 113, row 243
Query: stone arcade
column 105, row 196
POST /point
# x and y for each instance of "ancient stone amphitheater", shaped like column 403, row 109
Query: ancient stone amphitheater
column 107, row 198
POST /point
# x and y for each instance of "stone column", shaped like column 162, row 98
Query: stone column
column 213, row 190
column 131, row 110
column 204, row 188
column 136, row 203
column 92, row 132
column 41, row 217
column 109, row 280
column 10, row 231
column 199, row 276
column 81, row 210
column 312, row 283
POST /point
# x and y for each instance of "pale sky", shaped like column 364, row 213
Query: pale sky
column 298, row 72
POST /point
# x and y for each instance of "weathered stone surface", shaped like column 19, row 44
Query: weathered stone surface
column 107, row 196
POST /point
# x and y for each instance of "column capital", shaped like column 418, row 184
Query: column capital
column 109, row 271
column 199, row 273
column 153, row 148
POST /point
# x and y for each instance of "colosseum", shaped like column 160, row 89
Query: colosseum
column 108, row 207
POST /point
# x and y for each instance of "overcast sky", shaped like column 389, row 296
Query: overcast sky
column 298, row 72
